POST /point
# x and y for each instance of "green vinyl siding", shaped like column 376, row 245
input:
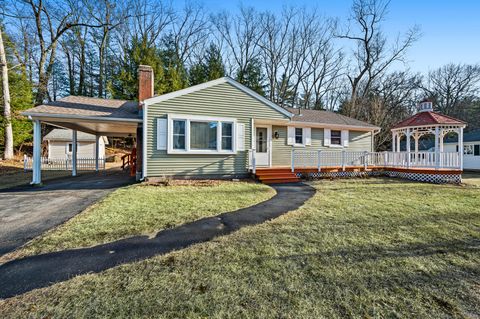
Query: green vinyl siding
column 282, row 152
column 222, row 100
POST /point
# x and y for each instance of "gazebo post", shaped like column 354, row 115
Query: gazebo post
column 416, row 137
column 460, row 148
column 393, row 141
column 398, row 142
column 407, row 135
column 437, row 149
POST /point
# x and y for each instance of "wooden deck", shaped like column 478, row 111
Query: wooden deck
column 284, row 174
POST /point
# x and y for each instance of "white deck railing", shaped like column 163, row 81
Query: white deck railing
column 65, row 164
column 318, row 159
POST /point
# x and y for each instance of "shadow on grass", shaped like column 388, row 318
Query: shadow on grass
column 22, row 275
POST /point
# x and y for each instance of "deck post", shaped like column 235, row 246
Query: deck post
column 318, row 160
column 254, row 161
column 365, row 160
column 343, row 160
column 97, row 151
column 293, row 160
column 385, row 154
column 37, row 153
column 74, row 152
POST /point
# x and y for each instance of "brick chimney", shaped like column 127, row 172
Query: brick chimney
column 145, row 84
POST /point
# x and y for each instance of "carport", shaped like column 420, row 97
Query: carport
column 113, row 118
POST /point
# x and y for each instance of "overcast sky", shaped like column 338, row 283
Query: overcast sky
column 450, row 28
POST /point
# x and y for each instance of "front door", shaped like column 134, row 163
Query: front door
column 262, row 146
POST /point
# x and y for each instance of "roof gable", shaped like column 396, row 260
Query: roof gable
column 195, row 88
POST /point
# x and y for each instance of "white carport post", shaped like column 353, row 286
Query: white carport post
column 37, row 153
column 74, row 152
column 97, row 151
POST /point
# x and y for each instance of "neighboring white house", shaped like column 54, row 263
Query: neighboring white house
column 60, row 144
column 471, row 149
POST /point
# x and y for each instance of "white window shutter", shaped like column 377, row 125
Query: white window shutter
column 161, row 134
column 307, row 135
column 291, row 136
column 345, row 138
column 240, row 136
column 326, row 137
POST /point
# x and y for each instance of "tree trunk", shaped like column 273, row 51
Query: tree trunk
column 8, row 152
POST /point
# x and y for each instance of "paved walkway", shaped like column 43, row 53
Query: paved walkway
column 22, row 275
column 27, row 211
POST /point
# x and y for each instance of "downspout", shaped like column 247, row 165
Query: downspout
column 374, row 132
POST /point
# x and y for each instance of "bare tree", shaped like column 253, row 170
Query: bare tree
column 241, row 34
column 7, row 114
column 372, row 57
column 454, row 88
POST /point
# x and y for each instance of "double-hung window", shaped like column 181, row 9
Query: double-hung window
column 179, row 134
column 336, row 137
column 298, row 135
column 200, row 134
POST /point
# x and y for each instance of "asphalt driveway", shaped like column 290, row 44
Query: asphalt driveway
column 26, row 212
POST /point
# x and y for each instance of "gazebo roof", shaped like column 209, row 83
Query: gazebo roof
column 428, row 118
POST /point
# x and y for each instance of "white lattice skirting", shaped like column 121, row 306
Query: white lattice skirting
column 419, row 177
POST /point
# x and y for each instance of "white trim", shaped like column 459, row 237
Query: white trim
column 188, row 118
column 144, row 146
column 44, row 116
column 168, row 96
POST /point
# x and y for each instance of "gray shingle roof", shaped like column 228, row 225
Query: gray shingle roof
column 326, row 117
column 473, row 136
column 89, row 106
column 59, row 134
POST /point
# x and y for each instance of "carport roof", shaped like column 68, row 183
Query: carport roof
column 91, row 115
column 79, row 106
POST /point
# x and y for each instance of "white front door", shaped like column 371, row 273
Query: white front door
column 262, row 145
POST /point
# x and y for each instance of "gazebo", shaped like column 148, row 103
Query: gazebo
column 428, row 122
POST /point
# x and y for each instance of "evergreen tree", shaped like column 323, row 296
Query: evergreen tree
column 21, row 98
column 175, row 75
column 208, row 68
column 124, row 83
column 252, row 76
column 215, row 66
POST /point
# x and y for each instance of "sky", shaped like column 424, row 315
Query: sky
column 450, row 28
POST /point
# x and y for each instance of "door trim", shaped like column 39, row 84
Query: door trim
column 269, row 141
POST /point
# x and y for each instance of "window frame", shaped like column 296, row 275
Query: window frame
column 331, row 138
column 302, row 136
column 199, row 118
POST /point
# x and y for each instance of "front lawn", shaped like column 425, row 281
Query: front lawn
column 145, row 210
column 363, row 248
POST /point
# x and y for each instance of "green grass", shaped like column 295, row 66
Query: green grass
column 145, row 210
column 365, row 248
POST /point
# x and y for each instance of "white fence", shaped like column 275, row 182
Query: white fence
column 64, row 164
column 301, row 159
column 319, row 159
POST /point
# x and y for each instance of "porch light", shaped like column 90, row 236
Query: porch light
column 276, row 135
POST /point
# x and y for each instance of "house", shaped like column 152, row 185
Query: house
column 471, row 149
column 218, row 129
column 59, row 143
column 222, row 129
